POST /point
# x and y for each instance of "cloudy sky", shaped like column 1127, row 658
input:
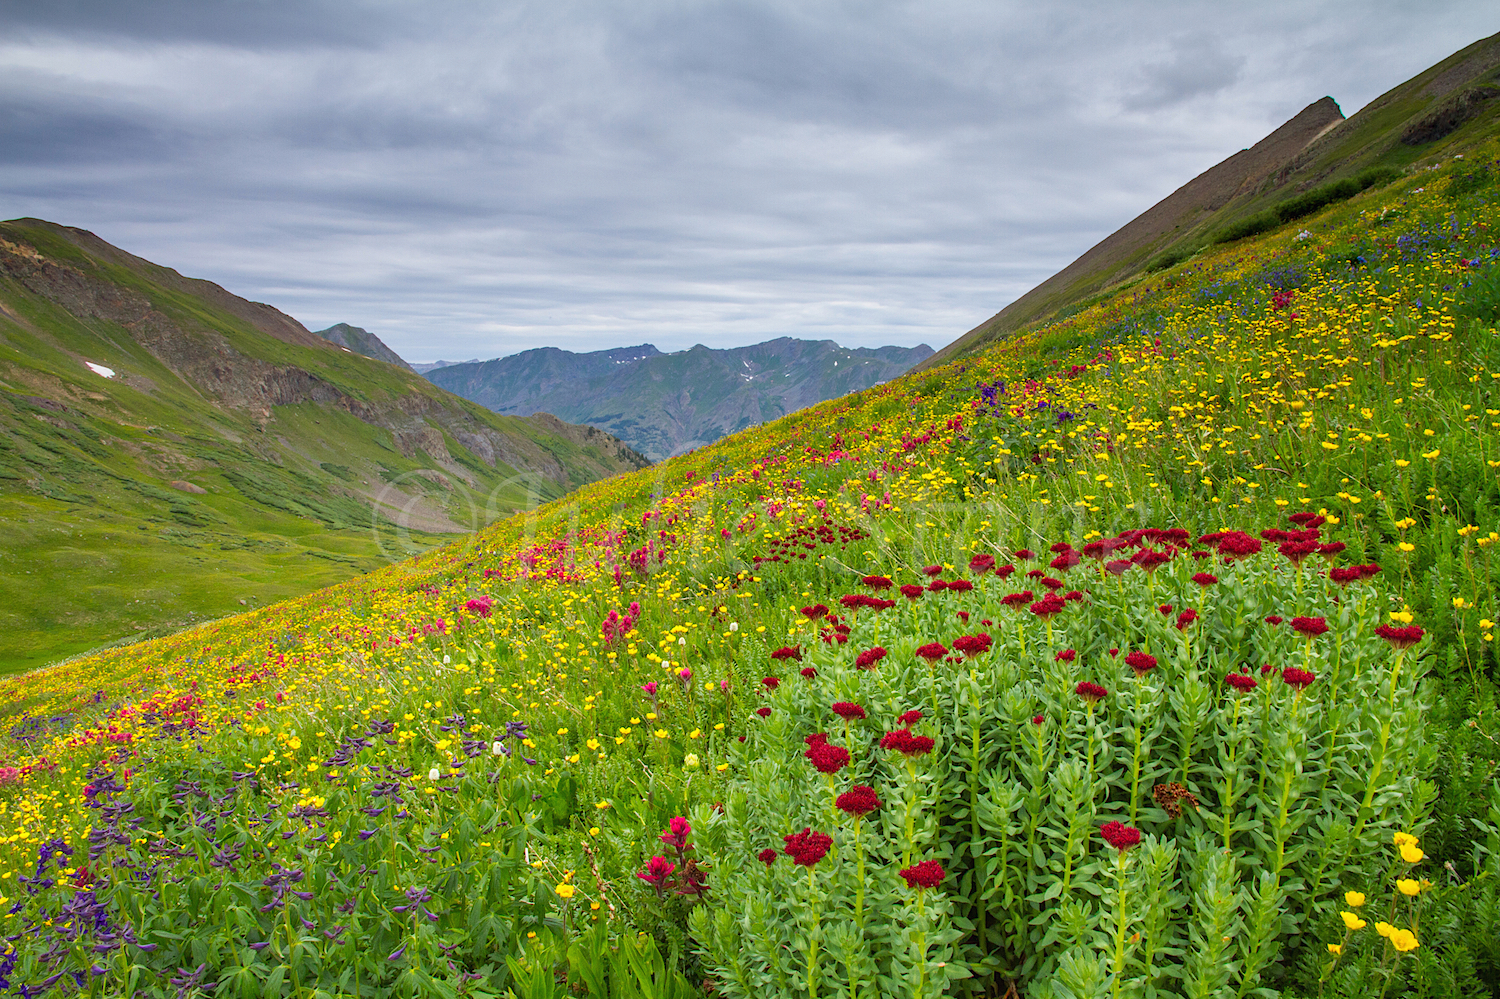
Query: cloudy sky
column 473, row 179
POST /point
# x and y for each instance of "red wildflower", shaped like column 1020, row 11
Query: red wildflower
column 868, row 658
column 1237, row 545
column 815, row 612
column 936, row 586
column 1331, row 549
column 1186, row 618
column 1150, row 560
column 960, row 586
column 1345, row 574
column 1239, row 681
column 1400, row 639
column 1309, row 626
column 932, row 570
column 807, row 847
column 911, row 717
column 1090, row 692
column 1052, row 584
column 1141, row 662
column 827, row 758
column 1065, row 656
column 767, row 856
column 658, row 869
column 1205, row 578
column 932, row 651
column 1165, row 609
column 1118, row 566
column 848, row 711
column 1049, row 605
column 1026, row 554
column 1066, row 561
column 788, row 652
column 1273, row 620
column 902, row 741
column 816, row 739
column 927, row 874
column 1296, row 551
column 911, row 591
column 763, row 712
column 877, row 582
column 1299, row 678
column 982, row 563
column 858, row 800
column 1038, row 720
column 480, row 606
column 771, row 682
column 973, row 645
column 1308, row 520
column 1120, row 836
column 808, row 672
column 1018, row 600
column 1005, row 571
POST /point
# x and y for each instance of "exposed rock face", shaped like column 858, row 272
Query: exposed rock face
column 664, row 404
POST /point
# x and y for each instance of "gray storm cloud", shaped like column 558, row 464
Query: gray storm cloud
column 472, row 180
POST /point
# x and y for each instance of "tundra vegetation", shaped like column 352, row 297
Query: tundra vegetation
column 1148, row 653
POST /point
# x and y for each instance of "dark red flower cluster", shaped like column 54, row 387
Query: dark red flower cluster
column 1277, row 536
column 1118, row 566
column 877, row 582
column 1299, row 678
column 1065, row 656
column 932, row 570
column 1150, row 560
column 1120, row 836
column 1025, row 554
column 1307, row 519
column 911, row 591
column 937, row 586
column 1240, row 682
column 808, row 672
column 807, row 847
column 1400, row 639
column 814, row 612
column 973, row 645
column 982, row 563
column 1066, row 560
column 1017, row 601
column 932, row 651
column 1186, row 618
column 868, row 658
column 1090, row 692
column 1141, row 662
column 854, row 601
column 1052, row 584
column 816, row 739
column 1310, row 626
column 1205, row 578
column 1296, row 551
column 959, row 586
column 927, row 874
column 771, row 682
column 826, row 758
column 1048, row 606
column 837, row 631
column 848, row 711
column 1346, row 574
column 788, row 652
column 902, row 741
column 910, row 718
column 858, row 800
column 1005, row 571
column 1233, row 545
column 763, row 712
column 1164, row 609
column 767, row 856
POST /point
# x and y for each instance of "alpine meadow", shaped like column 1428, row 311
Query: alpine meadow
column 1145, row 650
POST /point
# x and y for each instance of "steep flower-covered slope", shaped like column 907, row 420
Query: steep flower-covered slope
column 1149, row 650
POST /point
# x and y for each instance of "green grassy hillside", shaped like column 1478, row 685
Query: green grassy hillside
column 1147, row 652
column 232, row 459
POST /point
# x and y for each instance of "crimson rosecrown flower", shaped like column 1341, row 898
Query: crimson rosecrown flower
column 1400, row 639
column 927, row 874
column 932, row 651
column 828, row 759
column 868, row 658
column 1141, row 662
column 1120, row 836
column 876, row 582
column 1309, row 626
column 1090, row 692
column 911, row 717
column 807, row 847
column 788, row 652
column 902, row 741
column 1241, row 682
column 848, row 711
column 858, row 800
column 1299, row 678
column 767, row 856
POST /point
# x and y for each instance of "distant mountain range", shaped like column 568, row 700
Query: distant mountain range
column 170, row 451
column 1316, row 157
column 665, row 404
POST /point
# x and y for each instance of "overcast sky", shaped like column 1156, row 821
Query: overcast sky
column 473, row 179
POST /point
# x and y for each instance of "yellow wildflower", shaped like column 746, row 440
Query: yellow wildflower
column 1355, row 899
column 1352, row 922
column 565, row 890
column 1403, row 940
column 1408, row 886
column 1411, row 854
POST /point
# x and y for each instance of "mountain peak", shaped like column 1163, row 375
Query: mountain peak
column 360, row 341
